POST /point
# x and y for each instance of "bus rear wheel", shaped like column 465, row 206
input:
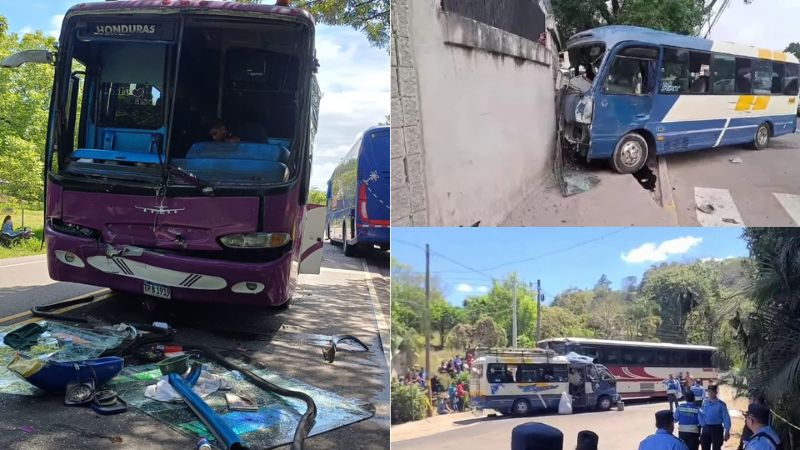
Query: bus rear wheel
column 631, row 153
column 761, row 139
column 604, row 403
column 521, row 408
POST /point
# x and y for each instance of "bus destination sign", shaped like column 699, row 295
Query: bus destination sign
column 148, row 31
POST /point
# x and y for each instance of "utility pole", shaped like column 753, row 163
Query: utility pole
column 428, row 323
column 514, row 315
column 538, row 309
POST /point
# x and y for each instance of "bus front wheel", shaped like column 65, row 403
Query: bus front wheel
column 631, row 153
column 521, row 408
column 761, row 139
column 604, row 403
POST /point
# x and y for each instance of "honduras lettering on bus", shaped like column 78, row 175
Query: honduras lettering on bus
column 117, row 30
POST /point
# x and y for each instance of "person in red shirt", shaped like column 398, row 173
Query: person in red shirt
column 460, row 396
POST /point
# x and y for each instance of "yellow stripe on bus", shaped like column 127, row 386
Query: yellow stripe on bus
column 761, row 103
column 779, row 56
column 745, row 102
column 764, row 53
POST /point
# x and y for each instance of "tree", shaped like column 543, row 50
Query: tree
column 793, row 48
column 558, row 322
column 24, row 104
column 368, row 16
column 444, row 316
column 460, row 337
column 770, row 333
column 317, row 197
column 488, row 334
column 677, row 16
column 574, row 300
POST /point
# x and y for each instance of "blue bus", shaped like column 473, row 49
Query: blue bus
column 635, row 92
column 358, row 195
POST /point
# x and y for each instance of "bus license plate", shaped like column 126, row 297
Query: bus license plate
column 157, row 290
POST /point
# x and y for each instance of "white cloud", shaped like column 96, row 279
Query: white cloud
column 25, row 30
column 650, row 252
column 55, row 25
column 483, row 289
column 710, row 258
column 464, row 287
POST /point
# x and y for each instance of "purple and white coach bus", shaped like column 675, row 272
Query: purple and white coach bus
column 179, row 149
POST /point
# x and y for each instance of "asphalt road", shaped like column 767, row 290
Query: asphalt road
column 761, row 190
column 617, row 430
column 341, row 300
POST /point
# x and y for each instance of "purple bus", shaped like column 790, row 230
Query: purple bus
column 179, row 150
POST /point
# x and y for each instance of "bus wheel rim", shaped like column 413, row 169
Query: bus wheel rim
column 762, row 136
column 631, row 153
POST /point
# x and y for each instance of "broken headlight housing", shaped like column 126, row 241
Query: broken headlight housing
column 255, row 240
column 583, row 110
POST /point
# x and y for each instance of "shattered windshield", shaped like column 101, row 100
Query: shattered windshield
column 585, row 62
column 215, row 104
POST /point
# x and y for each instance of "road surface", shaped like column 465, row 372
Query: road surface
column 761, row 190
column 346, row 298
column 617, row 430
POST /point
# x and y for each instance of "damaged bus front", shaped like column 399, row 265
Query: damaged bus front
column 633, row 93
column 179, row 150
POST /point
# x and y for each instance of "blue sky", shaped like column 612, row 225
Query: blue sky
column 616, row 252
column 354, row 78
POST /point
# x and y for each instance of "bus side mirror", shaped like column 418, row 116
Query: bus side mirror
column 28, row 56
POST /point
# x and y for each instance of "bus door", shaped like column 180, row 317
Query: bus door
column 311, row 239
column 624, row 98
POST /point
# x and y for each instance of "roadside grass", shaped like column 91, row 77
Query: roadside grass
column 34, row 219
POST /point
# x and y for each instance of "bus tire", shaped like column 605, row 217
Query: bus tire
column 631, row 153
column 521, row 408
column 604, row 403
column 349, row 250
column 761, row 138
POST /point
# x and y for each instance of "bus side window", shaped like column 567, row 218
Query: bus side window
column 700, row 72
column 724, row 74
column 674, row 71
column 628, row 76
column 790, row 81
column 762, row 77
column 778, row 71
column 744, row 76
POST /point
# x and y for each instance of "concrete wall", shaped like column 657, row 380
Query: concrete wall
column 480, row 101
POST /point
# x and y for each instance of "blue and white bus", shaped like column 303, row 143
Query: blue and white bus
column 358, row 195
column 638, row 92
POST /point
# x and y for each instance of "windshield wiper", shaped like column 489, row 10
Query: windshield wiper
column 191, row 178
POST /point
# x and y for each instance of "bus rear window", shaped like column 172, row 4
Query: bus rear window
column 790, row 80
column 131, row 105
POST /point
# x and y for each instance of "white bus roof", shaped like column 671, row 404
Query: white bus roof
column 631, row 343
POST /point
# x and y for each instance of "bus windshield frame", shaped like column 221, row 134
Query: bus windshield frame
column 143, row 143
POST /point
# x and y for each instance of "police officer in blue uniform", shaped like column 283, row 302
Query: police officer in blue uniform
column 764, row 437
column 715, row 422
column 663, row 439
column 673, row 390
column 699, row 392
column 686, row 414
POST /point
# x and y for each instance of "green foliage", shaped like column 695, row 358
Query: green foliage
column 409, row 402
column 316, row 197
column 487, row 333
column 368, row 16
column 559, row 322
column 770, row 333
column 497, row 305
column 24, row 103
column 677, row 16
column 793, row 48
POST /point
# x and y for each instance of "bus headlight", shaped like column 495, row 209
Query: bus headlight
column 583, row 110
column 255, row 240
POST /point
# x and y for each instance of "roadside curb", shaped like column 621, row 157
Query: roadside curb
column 380, row 320
column 665, row 186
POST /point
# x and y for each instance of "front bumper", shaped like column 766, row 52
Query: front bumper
column 189, row 278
